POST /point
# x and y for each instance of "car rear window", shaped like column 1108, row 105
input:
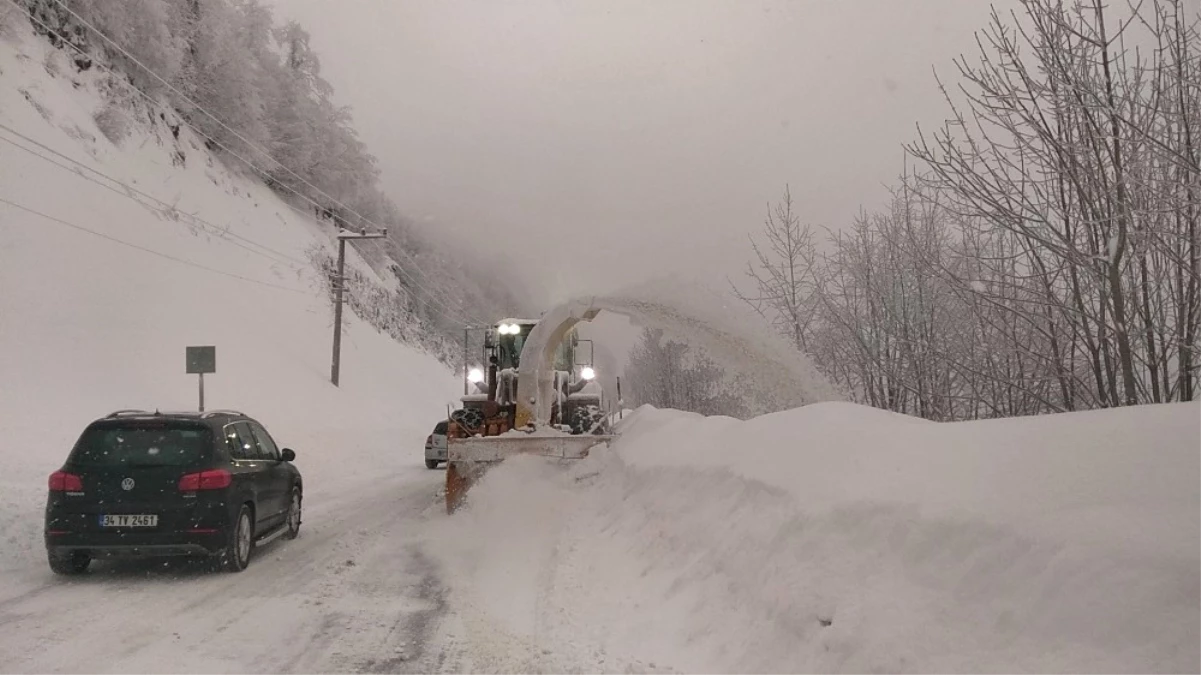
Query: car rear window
column 142, row 444
column 440, row 428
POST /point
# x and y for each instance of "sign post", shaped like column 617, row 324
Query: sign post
column 201, row 360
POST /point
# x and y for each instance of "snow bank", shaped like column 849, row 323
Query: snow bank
column 841, row 538
column 89, row 325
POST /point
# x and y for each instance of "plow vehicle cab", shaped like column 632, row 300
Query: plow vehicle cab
column 495, row 422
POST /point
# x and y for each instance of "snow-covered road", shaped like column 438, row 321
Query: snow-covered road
column 355, row 593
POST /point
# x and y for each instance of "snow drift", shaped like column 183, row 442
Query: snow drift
column 93, row 322
column 842, row 538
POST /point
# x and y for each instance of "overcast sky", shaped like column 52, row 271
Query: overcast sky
column 626, row 139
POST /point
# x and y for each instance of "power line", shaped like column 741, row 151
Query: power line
column 210, row 227
column 160, row 254
column 339, row 287
column 446, row 301
column 197, row 106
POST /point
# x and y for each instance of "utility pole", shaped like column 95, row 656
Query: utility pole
column 343, row 236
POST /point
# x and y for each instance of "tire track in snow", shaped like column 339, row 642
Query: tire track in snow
column 297, row 603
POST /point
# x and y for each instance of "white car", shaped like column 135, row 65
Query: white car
column 435, row 446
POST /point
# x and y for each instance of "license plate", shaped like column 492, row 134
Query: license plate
column 129, row 521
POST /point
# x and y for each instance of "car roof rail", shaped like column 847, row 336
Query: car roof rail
column 126, row 411
column 210, row 413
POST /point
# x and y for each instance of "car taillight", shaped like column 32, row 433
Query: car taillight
column 61, row 481
column 214, row 479
column 429, row 440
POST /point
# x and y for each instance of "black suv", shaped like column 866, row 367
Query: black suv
column 167, row 484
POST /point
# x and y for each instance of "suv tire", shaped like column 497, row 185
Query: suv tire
column 293, row 522
column 236, row 556
column 432, row 463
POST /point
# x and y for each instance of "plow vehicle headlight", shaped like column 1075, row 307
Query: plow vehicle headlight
column 508, row 329
column 475, row 375
column 587, row 373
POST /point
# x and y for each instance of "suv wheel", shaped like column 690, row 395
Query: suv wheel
column 236, row 556
column 431, row 463
column 70, row 564
column 294, row 516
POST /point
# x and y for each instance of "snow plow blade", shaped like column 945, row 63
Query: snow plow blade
column 496, row 448
column 469, row 458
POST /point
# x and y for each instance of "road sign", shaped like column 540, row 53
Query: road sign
column 201, row 360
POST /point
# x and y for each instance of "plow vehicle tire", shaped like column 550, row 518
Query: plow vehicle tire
column 470, row 419
column 587, row 419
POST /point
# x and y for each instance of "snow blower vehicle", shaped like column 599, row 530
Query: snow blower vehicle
column 531, row 398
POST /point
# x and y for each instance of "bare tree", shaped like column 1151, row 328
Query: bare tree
column 1044, row 255
column 1063, row 152
column 784, row 273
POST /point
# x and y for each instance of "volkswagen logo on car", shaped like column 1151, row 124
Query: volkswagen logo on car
column 127, row 484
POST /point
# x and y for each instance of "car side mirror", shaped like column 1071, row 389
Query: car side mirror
column 289, row 455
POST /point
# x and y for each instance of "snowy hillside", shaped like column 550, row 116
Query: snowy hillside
column 838, row 538
column 92, row 322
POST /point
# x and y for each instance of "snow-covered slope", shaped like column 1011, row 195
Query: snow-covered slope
column 842, row 538
column 90, row 323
